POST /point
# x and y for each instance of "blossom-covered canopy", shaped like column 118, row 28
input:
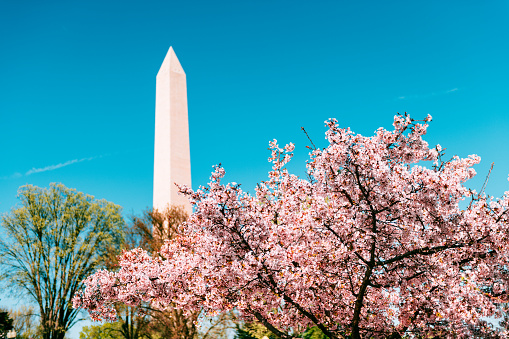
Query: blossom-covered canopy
column 373, row 244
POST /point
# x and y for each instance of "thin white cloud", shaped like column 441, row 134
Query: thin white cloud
column 50, row 167
column 57, row 166
column 64, row 164
column 427, row 95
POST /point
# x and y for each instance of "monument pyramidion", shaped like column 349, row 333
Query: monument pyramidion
column 172, row 159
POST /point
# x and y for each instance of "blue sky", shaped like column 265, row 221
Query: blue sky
column 77, row 84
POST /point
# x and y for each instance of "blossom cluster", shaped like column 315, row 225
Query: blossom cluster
column 373, row 243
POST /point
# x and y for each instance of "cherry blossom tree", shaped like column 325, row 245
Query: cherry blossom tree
column 374, row 244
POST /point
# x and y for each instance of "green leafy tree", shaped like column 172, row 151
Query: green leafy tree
column 103, row 331
column 254, row 330
column 243, row 333
column 314, row 333
column 52, row 242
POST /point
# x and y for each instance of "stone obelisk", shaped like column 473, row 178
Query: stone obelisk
column 172, row 160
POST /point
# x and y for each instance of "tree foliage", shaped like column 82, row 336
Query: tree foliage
column 313, row 333
column 374, row 244
column 103, row 331
column 243, row 333
column 255, row 330
column 53, row 241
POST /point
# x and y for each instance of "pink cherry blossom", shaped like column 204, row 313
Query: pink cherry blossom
column 372, row 244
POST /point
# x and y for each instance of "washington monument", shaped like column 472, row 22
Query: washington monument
column 172, row 159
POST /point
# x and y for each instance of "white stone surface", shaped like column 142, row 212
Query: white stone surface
column 172, row 159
